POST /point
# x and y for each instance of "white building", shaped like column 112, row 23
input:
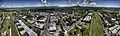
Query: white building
column 39, row 25
column 112, row 28
column 87, row 18
column 52, row 27
column 115, row 30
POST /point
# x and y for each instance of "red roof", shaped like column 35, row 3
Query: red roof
column 80, row 33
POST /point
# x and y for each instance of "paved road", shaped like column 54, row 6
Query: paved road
column 46, row 31
column 71, row 27
column 106, row 31
column 62, row 22
column 28, row 30
column 12, row 19
column 24, row 24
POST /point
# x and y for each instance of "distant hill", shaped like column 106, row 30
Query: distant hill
column 56, row 7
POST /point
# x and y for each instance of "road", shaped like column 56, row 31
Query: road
column 46, row 31
column 13, row 26
column 63, row 23
column 28, row 30
column 106, row 31
column 82, row 16
column 71, row 27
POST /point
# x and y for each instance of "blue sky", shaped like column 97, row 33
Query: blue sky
column 32, row 3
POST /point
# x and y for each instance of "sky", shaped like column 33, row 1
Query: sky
column 61, row 3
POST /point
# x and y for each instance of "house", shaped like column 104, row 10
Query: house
column 115, row 30
column 39, row 25
column 87, row 19
column 52, row 27
column 112, row 28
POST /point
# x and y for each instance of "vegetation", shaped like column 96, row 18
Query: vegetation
column 86, row 30
column 74, row 32
column 14, row 28
column 61, row 33
column 5, row 25
column 38, row 31
column 96, row 28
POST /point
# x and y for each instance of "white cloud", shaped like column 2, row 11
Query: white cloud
column 44, row 1
column 107, row 6
column 63, row 5
column 69, row 1
column 5, row 3
column 2, row 5
column 93, row 4
column 74, row 4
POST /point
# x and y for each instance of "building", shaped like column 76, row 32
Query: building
column 115, row 30
column 87, row 19
column 52, row 27
column 39, row 24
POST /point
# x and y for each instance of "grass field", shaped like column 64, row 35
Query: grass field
column 9, row 23
column 14, row 28
column 5, row 25
column 96, row 28
column 86, row 29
